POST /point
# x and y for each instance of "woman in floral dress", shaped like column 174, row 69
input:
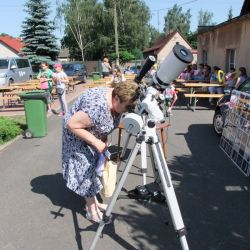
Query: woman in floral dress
column 86, row 127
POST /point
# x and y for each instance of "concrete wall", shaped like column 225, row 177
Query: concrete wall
column 6, row 52
column 234, row 35
column 169, row 46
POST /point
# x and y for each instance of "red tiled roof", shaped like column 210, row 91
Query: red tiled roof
column 13, row 43
column 158, row 45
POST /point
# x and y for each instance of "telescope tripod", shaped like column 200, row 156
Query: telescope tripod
column 147, row 135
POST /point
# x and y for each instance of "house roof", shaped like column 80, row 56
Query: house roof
column 64, row 52
column 244, row 14
column 159, row 44
column 13, row 43
column 204, row 29
column 245, row 8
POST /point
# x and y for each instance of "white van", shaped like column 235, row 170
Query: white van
column 14, row 70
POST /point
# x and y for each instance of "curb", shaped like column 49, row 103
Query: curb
column 5, row 145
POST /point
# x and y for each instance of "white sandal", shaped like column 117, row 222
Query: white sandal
column 89, row 216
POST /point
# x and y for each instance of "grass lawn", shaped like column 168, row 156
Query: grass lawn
column 10, row 127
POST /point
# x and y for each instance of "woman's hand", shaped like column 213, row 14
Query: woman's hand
column 101, row 146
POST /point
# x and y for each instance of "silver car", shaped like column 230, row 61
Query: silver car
column 14, row 70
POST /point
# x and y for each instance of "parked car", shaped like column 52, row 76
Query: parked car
column 14, row 70
column 222, row 107
column 76, row 69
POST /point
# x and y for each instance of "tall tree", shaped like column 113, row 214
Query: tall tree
column 37, row 33
column 205, row 18
column 133, row 18
column 154, row 35
column 82, row 20
column 230, row 13
column 176, row 19
column 96, row 29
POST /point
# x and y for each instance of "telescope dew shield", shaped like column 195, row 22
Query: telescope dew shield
column 150, row 61
column 173, row 65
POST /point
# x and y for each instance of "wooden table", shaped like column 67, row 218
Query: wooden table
column 6, row 89
column 192, row 87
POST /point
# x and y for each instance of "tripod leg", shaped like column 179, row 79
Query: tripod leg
column 124, row 148
column 144, row 162
column 106, row 215
column 170, row 194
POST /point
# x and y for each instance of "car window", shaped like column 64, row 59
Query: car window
column 22, row 63
column 4, row 63
column 245, row 86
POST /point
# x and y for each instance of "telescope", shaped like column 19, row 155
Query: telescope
column 168, row 71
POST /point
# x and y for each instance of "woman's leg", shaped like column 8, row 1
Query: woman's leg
column 94, row 213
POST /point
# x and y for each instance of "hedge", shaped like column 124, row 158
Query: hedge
column 10, row 128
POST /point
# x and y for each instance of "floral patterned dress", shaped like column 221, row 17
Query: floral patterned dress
column 79, row 160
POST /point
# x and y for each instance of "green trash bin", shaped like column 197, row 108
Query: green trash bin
column 95, row 76
column 35, row 105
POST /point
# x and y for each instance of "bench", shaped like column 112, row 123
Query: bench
column 201, row 95
column 182, row 90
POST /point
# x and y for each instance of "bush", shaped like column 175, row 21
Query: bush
column 9, row 129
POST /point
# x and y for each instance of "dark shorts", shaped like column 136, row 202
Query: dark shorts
column 105, row 74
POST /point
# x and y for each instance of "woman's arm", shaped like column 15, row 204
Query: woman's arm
column 78, row 123
column 237, row 84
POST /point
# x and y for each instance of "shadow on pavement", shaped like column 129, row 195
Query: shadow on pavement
column 53, row 187
column 214, row 196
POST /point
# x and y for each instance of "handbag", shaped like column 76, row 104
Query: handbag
column 44, row 84
column 108, row 178
column 59, row 90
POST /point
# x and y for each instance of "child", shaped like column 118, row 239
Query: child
column 45, row 78
column 61, row 78
column 170, row 95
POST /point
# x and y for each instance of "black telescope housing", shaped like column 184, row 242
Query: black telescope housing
column 150, row 61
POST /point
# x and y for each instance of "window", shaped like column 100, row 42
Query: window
column 230, row 59
column 204, row 56
column 4, row 63
column 22, row 63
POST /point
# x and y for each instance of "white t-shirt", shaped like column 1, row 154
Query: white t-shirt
column 59, row 76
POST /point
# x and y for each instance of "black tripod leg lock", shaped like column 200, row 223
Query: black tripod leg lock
column 181, row 232
column 106, row 219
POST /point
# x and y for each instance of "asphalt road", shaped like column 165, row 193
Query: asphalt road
column 38, row 212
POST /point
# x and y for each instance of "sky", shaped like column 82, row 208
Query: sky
column 12, row 13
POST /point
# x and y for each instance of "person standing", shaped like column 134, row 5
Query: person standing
column 45, row 77
column 92, row 117
column 106, row 68
column 61, row 79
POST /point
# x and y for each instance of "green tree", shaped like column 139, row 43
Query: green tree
column 37, row 33
column 176, row 19
column 133, row 18
column 82, row 19
column 230, row 13
column 205, row 18
column 124, row 56
column 154, row 35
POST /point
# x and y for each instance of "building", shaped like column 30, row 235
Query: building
column 10, row 47
column 227, row 44
column 164, row 46
column 64, row 55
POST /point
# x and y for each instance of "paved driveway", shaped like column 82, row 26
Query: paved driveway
column 38, row 212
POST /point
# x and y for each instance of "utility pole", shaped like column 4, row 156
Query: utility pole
column 116, row 35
